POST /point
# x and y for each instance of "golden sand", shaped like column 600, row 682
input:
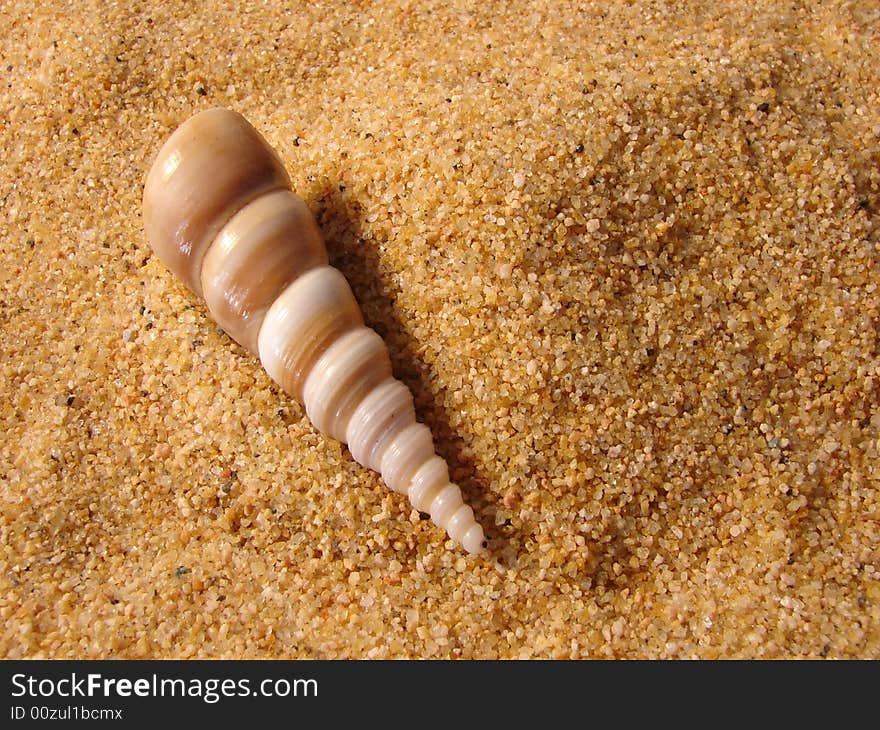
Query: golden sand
column 624, row 254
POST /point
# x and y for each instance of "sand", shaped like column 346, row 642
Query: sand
column 624, row 254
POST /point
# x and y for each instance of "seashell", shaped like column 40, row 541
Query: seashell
column 219, row 212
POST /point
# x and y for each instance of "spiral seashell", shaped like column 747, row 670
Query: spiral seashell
column 219, row 212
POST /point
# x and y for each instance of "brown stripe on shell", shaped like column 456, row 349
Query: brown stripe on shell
column 308, row 317
column 265, row 247
column 208, row 170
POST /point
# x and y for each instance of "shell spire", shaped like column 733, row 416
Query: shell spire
column 219, row 212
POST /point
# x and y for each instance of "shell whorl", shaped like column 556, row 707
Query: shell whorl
column 219, row 212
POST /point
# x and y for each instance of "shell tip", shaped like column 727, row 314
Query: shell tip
column 474, row 541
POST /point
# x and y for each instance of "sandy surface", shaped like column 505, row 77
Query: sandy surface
column 624, row 254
